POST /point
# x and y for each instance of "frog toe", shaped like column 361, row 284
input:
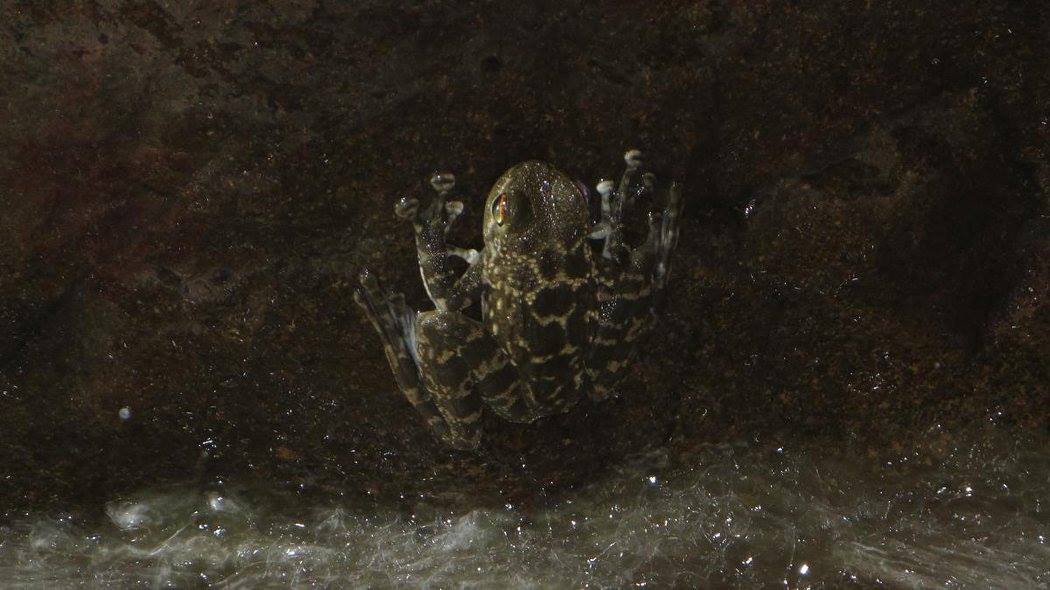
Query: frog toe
column 453, row 209
column 443, row 182
column 469, row 255
column 407, row 208
column 369, row 284
column 633, row 158
column 388, row 312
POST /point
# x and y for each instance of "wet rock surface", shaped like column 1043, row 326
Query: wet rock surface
column 190, row 188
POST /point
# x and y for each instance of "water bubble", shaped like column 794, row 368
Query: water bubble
column 124, row 413
column 721, row 517
column 749, row 209
column 130, row 516
column 216, row 502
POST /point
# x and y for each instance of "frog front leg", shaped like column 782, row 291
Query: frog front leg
column 616, row 199
column 431, row 225
column 443, row 363
column 631, row 280
column 447, row 366
column 463, row 368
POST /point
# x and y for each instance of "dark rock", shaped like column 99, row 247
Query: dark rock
column 188, row 190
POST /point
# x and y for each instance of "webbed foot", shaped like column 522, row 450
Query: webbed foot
column 394, row 321
column 618, row 198
column 439, row 213
column 432, row 223
column 664, row 234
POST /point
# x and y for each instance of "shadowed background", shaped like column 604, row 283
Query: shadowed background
column 188, row 190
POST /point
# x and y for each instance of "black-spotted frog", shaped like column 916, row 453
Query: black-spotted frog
column 564, row 299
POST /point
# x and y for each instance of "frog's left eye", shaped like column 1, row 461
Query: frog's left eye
column 499, row 209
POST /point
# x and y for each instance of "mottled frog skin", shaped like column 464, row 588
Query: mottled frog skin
column 564, row 300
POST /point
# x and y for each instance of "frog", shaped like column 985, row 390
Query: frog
column 565, row 296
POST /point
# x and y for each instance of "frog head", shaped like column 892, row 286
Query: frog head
column 534, row 207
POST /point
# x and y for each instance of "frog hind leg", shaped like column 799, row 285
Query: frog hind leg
column 448, row 346
column 464, row 367
column 395, row 323
column 624, row 317
column 663, row 237
column 631, row 283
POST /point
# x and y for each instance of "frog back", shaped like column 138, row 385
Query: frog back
column 541, row 310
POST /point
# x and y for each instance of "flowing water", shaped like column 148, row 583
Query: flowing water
column 795, row 516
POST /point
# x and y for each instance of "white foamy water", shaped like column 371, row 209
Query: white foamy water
column 808, row 515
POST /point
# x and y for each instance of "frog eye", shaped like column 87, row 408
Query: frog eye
column 499, row 209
